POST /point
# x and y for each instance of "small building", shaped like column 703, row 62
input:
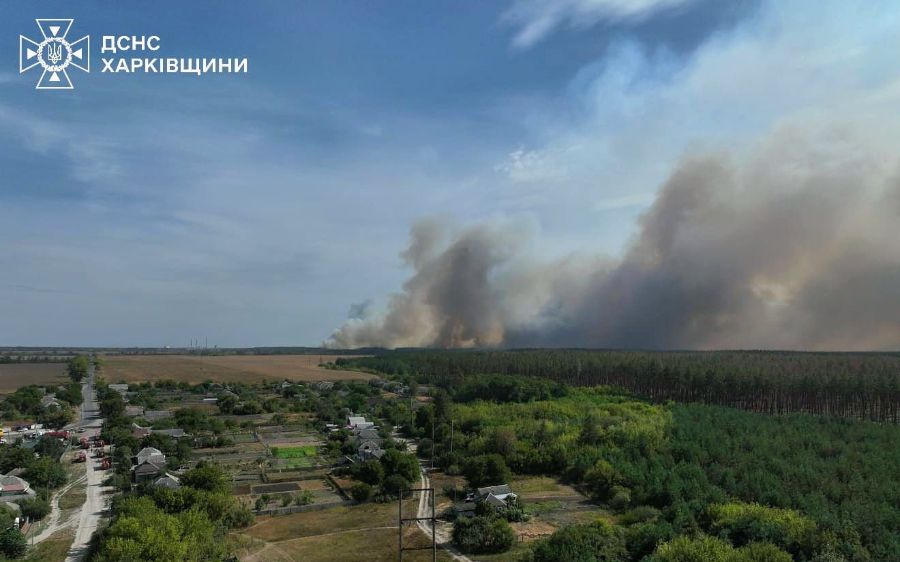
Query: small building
column 148, row 470
column 133, row 411
column 167, row 481
column 176, row 432
column 156, row 415
column 139, row 432
column 120, row 388
column 359, row 422
column 496, row 496
column 14, row 486
column 367, row 434
column 369, row 450
column 50, row 400
column 150, row 454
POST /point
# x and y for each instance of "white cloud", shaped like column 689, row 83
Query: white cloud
column 535, row 19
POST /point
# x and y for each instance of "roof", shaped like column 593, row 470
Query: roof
column 368, row 433
column 497, row 501
column 501, row 490
column 150, row 467
column 175, row 432
column 356, row 420
column 13, row 484
column 167, row 481
column 153, row 415
column 150, row 453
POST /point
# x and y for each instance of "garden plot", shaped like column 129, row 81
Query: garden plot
column 294, row 457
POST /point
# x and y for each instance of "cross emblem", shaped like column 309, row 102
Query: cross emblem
column 55, row 54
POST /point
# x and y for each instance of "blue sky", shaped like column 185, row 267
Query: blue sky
column 255, row 209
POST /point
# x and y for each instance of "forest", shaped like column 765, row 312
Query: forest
column 853, row 385
column 684, row 481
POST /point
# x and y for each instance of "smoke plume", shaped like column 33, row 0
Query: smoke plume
column 793, row 245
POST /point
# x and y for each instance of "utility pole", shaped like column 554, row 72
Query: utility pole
column 402, row 520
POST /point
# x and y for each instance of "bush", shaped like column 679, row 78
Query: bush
column 712, row 549
column 35, row 508
column 486, row 470
column 394, row 485
column 483, row 535
column 12, row 543
column 640, row 514
column 745, row 523
column 583, row 543
column 361, row 492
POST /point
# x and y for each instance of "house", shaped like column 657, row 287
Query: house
column 14, row 486
column 167, row 481
column 496, row 496
column 134, row 411
column 156, row 415
column 49, row 400
column 359, row 422
column 323, row 385
column 150, row 454
column 139, row 432
column 120, row 388
column 367, row 434
column 148, row 470
column 177, row 433
column 369, row 450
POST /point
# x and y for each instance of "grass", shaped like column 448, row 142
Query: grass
column 52, row 549
column 227, row 368
column 17, row 375
column 542, row 488
column 516, row 553
column 74, row 498
column 293, row 452
column 372, row 545
column 313, row 523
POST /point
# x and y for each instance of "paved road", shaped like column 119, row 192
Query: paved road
column 97, row 500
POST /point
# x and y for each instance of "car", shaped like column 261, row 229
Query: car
column 80, row 430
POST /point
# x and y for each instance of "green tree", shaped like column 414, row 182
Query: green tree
column 361, row 492
column 486, row 470
column 12, row 543
column 483, row 535
column 583, row 543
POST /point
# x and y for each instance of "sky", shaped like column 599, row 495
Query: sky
column 264, row 208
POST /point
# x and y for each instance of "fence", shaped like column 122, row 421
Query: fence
column 304, row 508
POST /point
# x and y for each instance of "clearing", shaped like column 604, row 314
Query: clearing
column 224, row 368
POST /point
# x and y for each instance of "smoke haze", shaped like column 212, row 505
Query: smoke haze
column 794, row 244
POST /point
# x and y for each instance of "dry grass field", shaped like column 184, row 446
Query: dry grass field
column 364, row 532
column 15, row 375
column 225, row 368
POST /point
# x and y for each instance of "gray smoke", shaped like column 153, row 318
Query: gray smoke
column 796, row 245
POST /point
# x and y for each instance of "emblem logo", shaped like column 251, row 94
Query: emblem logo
column 55, row 54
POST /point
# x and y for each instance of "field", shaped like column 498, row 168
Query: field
column 15, row 375
column 364, row 532
column 226, row 368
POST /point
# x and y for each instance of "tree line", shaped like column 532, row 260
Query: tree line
column 853, row 385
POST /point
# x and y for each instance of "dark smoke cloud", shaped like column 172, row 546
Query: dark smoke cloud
column 796, row 245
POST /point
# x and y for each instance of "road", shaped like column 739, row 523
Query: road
column 443, row 531
column 97, row 495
